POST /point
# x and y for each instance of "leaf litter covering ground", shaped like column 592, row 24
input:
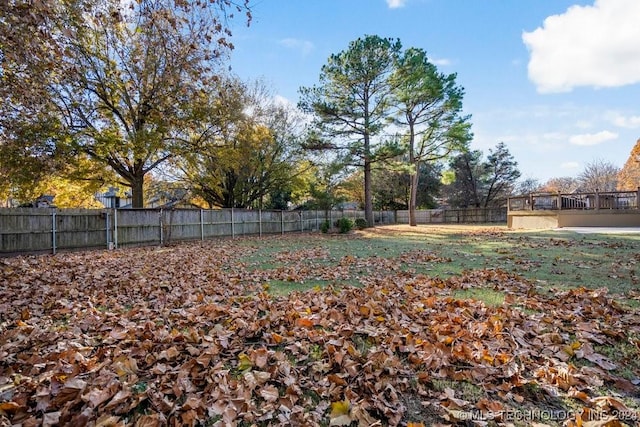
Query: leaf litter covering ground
column 187, row 335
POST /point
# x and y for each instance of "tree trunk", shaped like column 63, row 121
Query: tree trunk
column 413, row 190
column 137, row 192
column 413, row 196
column 368, row 199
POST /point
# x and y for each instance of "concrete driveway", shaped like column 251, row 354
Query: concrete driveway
column 601, row 230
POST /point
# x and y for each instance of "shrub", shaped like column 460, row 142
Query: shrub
column 361, row 223
column 345, row 225
column 324, row 227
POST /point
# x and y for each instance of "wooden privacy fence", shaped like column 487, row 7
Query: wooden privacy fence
column 456, row 216
column 49, row 230
column 38, row 230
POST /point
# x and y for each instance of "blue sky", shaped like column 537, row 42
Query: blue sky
column 557, row 80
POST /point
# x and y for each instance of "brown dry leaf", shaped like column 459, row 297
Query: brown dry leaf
column 260, row 357
column 169, row 354
column 51, row 419
column 305, row 322
column 581, row 395
column 487, row 405
column 269, row 393
column 98, row 396
column 119, row 398
column 336, row 379
column 192, row 402
column 154, row 420
column 451, row 402
column 601, row 361
column 9, row 406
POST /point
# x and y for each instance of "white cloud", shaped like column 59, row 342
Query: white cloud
column 394, row 4
column 282, row 101
column 553, row 136
column 627, row 122
column 570, row 165
column 584, row 124
column 589, row 139
column 597, row 46
column 440, row 62
column 304, row 46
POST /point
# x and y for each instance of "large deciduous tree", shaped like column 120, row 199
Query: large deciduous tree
column 563, row 184
column 429, row 106
column 351, row 104
column 599, row 175
column 115, row 77
column 246, row 149
column 629, row 176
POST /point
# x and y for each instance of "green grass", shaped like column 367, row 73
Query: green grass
column 555, row 260
column 464, row 389
column 283, row 287
column 489, row 296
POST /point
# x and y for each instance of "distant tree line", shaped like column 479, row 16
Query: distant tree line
column 136, row 95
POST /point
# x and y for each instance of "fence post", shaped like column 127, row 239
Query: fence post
column 318, row 224
column 115, row 228
column 233, row 227
column 281, row 222
column 260, row 222
column 638, row 199
column 107, row 226
column 301, row 222
column 53, row 231
column 597, row 200
column 160, row 221
column 201, row 224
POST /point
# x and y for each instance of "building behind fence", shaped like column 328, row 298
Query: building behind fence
column 50, row 230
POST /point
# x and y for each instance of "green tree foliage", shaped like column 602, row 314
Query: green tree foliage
column 479, row 183
column 392, row 189
column 501, row 176
column 32, row 163
column 28, row 155
column 247, row 152
column 351, row 105
column 115, row 78
column 464, row 184
column 429, row 107
column 326, row 189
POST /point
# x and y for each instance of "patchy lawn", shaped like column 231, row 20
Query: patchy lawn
column 390, row 326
